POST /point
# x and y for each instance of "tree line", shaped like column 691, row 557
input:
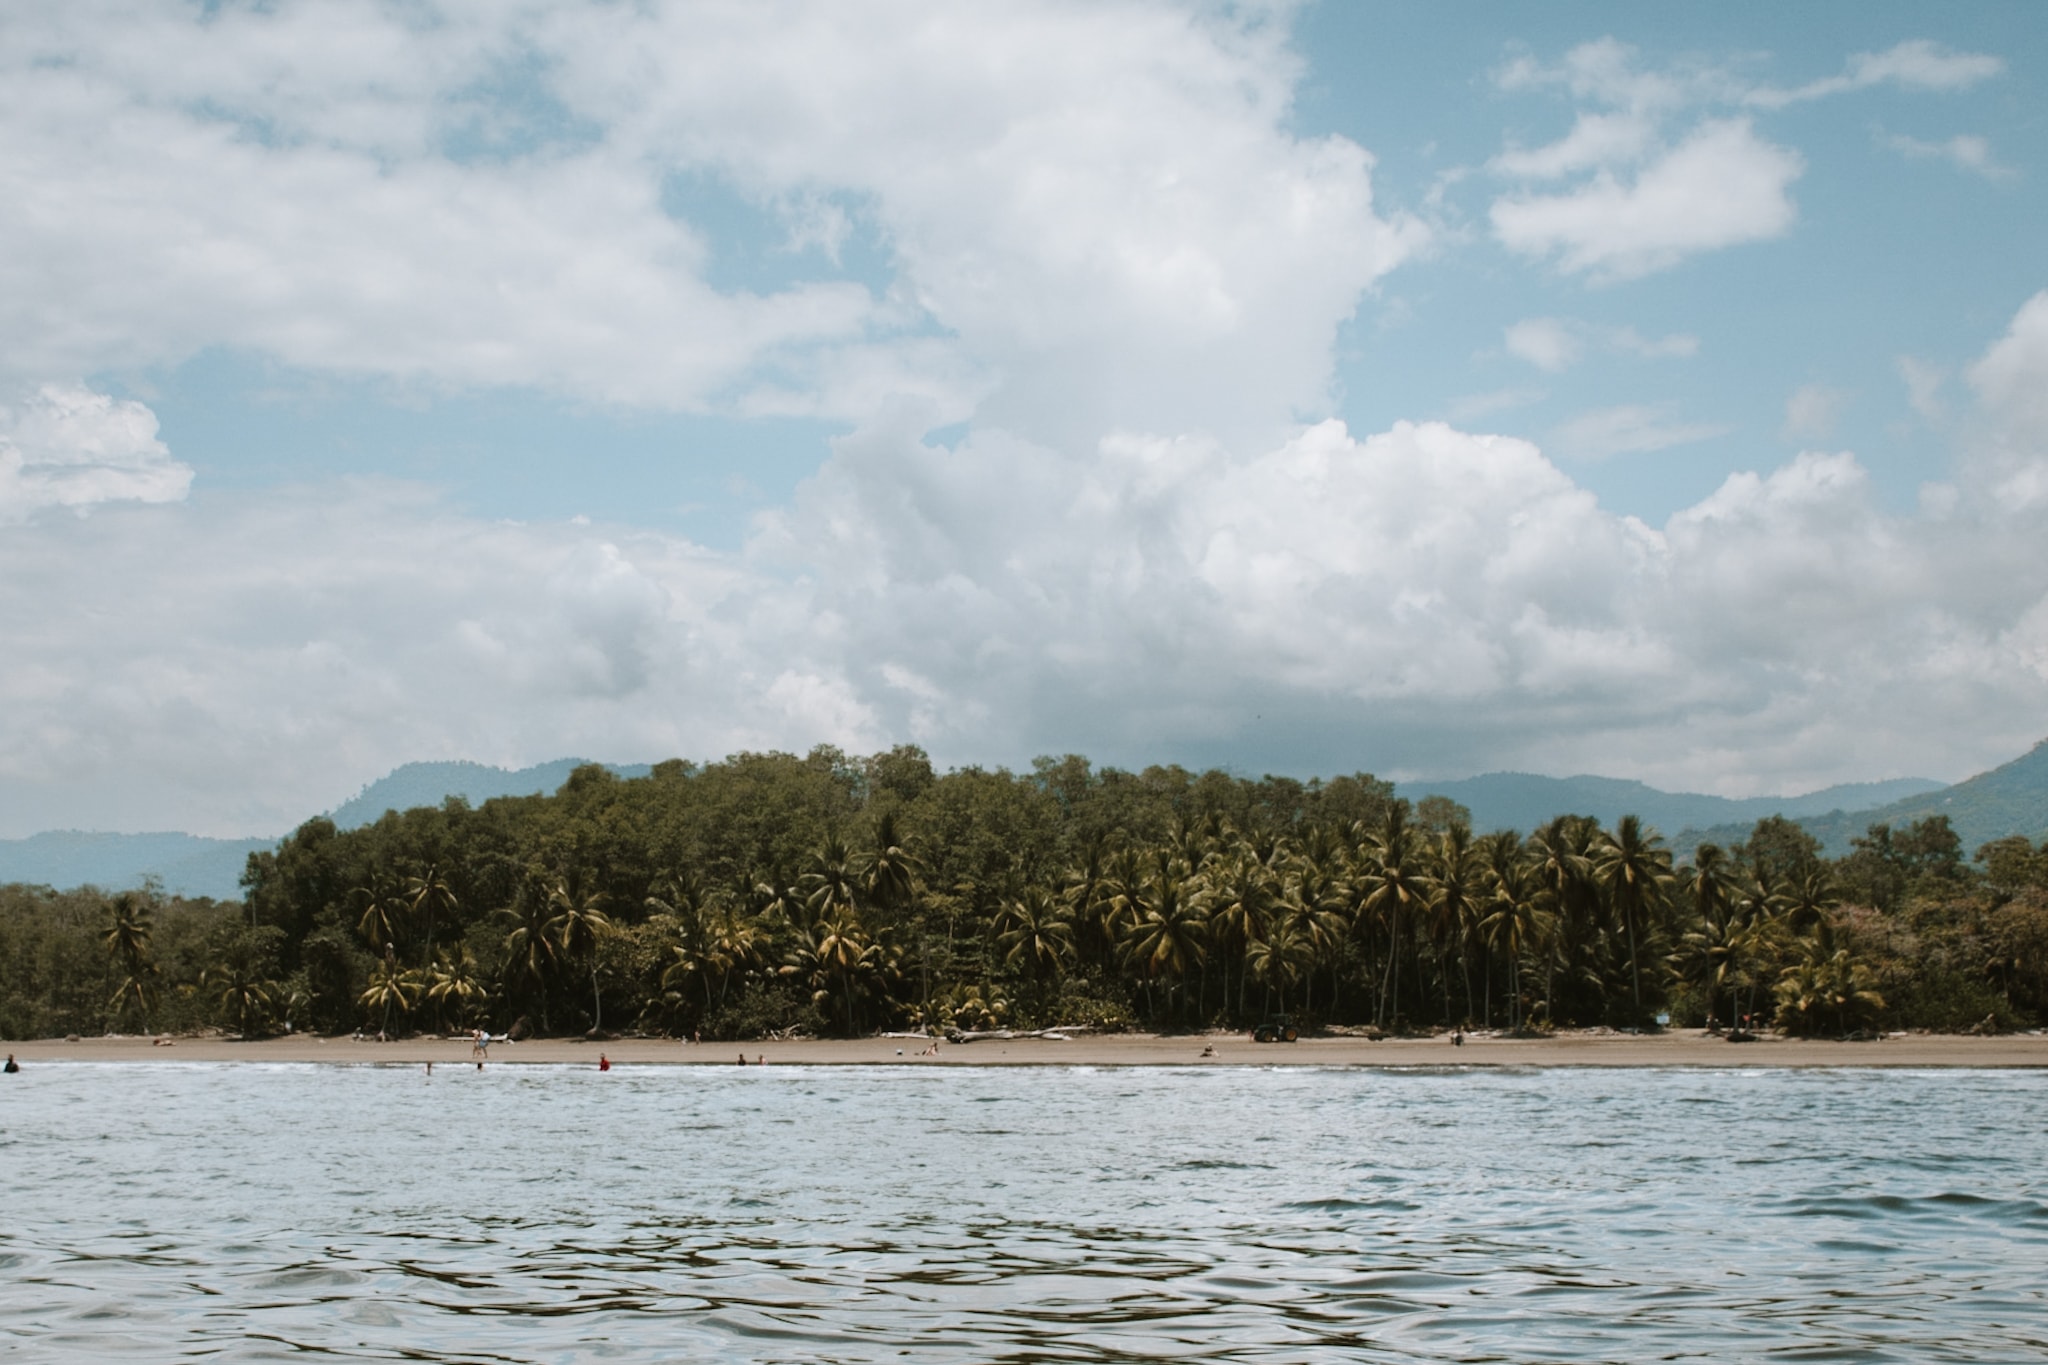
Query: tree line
column 771, row 893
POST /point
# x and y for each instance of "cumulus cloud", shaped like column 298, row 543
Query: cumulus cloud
column 1058, row 193
column 1097, row 237
column 67, row 446
column 2011, row 384
column 1420, row 598
column 235, row 664
column 1721, row 187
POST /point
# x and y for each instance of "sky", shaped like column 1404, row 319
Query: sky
column 1651, row 391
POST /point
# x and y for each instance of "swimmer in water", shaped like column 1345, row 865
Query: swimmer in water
column 604, row 1063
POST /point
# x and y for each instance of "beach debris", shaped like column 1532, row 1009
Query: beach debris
column 956, row 1035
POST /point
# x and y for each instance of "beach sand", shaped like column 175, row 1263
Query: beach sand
column 1679, row 1047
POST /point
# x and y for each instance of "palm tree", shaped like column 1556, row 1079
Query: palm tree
column 1634, row 871
column 887, row 873
column 1826, row 991
column 1280, row 956
column 1704, row 960
column 576, row 925
column 379, row 921
column 832, row 886
column 1393, row 891
column 240, row 993
column 1755, row 939
column 1317, row 888
column 1455, row 874
column 1167, row 937
column 390, row 988
column 453, row 980
column 424, row 894
column 1564, row 876
column 1701, row 960
column 529, row 949
column 1515, row 922
column 841, row 962
column 1242, row 899
column 1090, row 903
column 1808, row 900
column 129, row 927
column 1033, row 933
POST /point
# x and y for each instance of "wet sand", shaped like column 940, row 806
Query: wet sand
column 1680, row 1048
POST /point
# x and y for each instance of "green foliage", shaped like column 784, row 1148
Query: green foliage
column 771, row 892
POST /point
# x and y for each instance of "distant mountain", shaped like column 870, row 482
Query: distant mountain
column 429, row 784
column 186, row 864
column 2010, row 799
column 1522, row 801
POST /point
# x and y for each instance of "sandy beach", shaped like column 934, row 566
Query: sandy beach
column 1678, row 1048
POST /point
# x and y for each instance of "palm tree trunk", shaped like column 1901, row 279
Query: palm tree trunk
column 1635, row 975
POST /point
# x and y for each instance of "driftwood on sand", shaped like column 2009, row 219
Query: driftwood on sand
column 960, row 1035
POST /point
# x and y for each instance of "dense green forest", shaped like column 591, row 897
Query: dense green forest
column 771, row 893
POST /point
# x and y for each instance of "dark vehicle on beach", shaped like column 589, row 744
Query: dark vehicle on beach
column 1278, row 1029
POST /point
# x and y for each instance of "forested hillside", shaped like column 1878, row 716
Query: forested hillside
column 770, row 892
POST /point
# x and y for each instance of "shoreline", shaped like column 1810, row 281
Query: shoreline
column 1581, row 1048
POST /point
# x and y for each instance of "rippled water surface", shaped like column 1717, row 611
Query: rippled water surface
column 253, row 1212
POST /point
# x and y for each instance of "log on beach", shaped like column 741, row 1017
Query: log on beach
column 958, row 1035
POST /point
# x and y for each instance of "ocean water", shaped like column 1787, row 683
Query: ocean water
column 538, row 1214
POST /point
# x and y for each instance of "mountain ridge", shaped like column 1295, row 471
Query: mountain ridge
column 2009, row 799
column 195, row 865
column 1522, row 801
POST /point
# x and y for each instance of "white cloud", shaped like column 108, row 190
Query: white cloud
column 1631, row 429
column 1416, row 598
column 235, row 664
column 1605, row 70
column 67, row 446
column 1722, row 186
column 1916, row 64
column 1595, row 141
column 2010, row 381
column 1095, row 216
column 1923, row 383
column 1641, row 204
column 1095, row 220
column 1556, row 344
column 1547, row 343
column 1965, row 151
column 1812, row 411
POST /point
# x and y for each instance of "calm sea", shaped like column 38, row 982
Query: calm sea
column 259, row 1212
